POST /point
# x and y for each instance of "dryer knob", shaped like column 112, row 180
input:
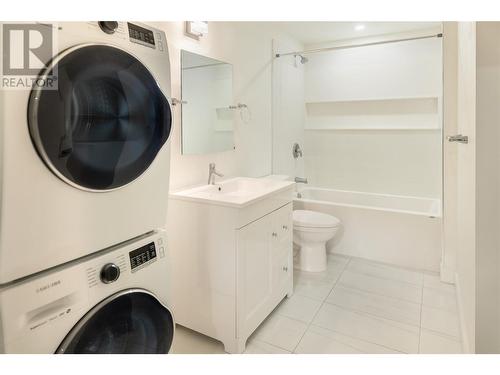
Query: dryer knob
column 109, row 27
column 109, row 273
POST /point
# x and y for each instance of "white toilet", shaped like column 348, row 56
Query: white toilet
column 311, row 231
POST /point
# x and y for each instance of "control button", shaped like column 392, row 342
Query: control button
column 160, row 46
column 158, row 36
column 109, row 273
column 160, row 241
column 109, row 27
column 162, row 252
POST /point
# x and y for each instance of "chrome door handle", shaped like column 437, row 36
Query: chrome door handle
column 176, row 101
column 458, row 138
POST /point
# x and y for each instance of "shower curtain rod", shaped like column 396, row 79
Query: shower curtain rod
column 440, row 35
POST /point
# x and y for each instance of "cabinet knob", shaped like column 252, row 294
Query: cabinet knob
column 285, row 227
column 285, row 268
column 275, row 234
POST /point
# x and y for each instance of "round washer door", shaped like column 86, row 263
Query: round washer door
column 129, row 322
column 105, row 123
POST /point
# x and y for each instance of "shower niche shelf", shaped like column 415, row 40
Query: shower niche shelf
column 405, row 113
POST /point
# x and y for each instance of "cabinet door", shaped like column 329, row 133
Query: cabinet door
column 254, row 275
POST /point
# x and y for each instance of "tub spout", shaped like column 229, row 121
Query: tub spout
column 301, row 180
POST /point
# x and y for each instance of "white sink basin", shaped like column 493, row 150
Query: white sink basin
column 237, row 192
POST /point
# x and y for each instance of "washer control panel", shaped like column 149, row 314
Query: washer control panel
column 142, row 256
column 141, row 35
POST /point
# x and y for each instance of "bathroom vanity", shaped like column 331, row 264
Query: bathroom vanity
column 232, row 256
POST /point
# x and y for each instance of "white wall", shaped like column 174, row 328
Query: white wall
column 373, row 120
column 389, row 162
column 488, row 188
column 394, row 70
column 248, row 48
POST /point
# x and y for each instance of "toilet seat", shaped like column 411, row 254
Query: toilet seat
column 313, row 219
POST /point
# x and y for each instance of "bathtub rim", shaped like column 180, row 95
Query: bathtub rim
column 428, row 214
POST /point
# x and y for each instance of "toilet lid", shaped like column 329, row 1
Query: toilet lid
column 313, row 219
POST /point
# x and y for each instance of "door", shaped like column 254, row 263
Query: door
column 466, row 175
column 460, row 177
column 105, row 123
column 131, row 321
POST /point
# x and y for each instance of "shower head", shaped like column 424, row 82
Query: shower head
column 303, row 59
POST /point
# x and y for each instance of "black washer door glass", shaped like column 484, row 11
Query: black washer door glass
column 105, row 123
column 133, row 323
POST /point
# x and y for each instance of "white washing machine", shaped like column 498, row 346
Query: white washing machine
column 85, row 166
column 115, row 301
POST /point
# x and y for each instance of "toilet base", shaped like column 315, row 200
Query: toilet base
column 312, row 257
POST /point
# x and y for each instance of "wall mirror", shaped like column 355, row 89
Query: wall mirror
column 207, row 96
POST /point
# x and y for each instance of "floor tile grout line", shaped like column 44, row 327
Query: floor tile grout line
column 273, row 345
column 453, row 311
column 372, row 315
column 395, row 268
column 442, row 334
column 389, row 320
column 440, row 290
column 357, row 338
column 321, row 306
column 386, row 278
column 358, row 290
column 376, row 293
column 382, row 264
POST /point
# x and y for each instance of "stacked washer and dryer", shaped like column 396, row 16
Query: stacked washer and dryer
column 84, row 174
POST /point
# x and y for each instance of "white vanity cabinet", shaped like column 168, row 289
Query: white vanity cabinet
column 231, row 263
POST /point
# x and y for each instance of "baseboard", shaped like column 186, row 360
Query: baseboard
column 463, row 326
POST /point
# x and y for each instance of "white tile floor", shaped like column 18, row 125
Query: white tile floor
column 355, row 306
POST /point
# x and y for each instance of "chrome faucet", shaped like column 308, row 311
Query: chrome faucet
column 212, row 173
column 301, row 180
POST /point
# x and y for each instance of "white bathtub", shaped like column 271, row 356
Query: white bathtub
column 404, row 231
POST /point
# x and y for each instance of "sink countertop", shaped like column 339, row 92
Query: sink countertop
column 235, row 192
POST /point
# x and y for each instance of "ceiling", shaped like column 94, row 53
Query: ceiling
column 319, row 32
